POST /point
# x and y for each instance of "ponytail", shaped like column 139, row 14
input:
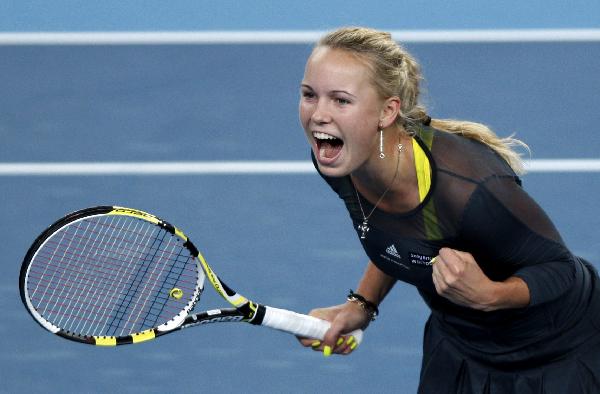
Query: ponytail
column 505, row 147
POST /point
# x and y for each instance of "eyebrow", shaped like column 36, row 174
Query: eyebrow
column 333, row 91
column 343, row 91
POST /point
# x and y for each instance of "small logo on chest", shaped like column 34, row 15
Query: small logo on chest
column 392, row 251
column 391, row 254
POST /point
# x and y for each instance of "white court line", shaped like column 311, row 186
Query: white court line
column 235, row 167
column 158, row 168
column 563, row 165
column 288, row 37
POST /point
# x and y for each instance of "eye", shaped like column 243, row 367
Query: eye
column 307, row 94
column 342, row 101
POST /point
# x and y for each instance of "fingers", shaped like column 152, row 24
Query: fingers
column 457, row 277
column 309, row 342
column 447, row 268
column 333, row 343
column 450, row 263
column 453, row 256
column 327, row 314
column 344, row 319
column 344, row 344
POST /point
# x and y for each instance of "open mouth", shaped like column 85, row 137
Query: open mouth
column 328, row 146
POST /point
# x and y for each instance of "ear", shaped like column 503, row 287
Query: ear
column 389, row 111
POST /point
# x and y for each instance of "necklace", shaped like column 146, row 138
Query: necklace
column 364, row 227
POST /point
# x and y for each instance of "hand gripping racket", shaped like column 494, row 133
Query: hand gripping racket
column 112, row 276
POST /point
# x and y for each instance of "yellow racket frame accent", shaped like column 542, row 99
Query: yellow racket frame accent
column 134, row 213
column 143, row 336
column 236, row 300
column 105, row 341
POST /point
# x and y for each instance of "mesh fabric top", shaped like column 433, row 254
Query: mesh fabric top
column 475, row 204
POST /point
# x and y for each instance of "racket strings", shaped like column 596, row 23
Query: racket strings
column 102, row 277
column 127, row 301
column 102, row 268
column 176, row 276
column 110, row 276
column 58, row 290
column 80, row 275
column 108, row 244
column 146, row 292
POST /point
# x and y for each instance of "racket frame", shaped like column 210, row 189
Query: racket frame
column 174, row 324
column 244, row 310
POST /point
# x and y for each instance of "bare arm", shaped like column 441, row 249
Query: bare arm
column 375, row 284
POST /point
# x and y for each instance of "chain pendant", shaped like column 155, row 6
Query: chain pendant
column 364, row 228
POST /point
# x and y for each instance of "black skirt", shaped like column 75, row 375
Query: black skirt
column 563, row 363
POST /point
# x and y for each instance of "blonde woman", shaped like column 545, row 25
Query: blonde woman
column 439, row 204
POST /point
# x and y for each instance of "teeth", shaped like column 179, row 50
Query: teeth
column 323, row 136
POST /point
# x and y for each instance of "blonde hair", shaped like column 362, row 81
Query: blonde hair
column 395, row 72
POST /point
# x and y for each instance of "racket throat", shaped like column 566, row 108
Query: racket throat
column 255, row 316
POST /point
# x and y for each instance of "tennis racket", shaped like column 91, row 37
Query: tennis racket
column 112, row 276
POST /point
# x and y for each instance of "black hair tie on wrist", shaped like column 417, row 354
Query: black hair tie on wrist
column 369, row 307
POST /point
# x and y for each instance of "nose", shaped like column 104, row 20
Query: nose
column 321, row 114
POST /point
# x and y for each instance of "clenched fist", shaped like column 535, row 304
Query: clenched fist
column 458, row 277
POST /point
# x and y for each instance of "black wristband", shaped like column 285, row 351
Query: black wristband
column 368, row 306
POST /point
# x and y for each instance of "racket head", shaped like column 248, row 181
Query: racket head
column 111, row 275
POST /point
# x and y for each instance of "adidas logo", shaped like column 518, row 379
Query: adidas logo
column 391, row 250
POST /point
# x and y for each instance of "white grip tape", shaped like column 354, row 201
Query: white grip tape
column 301, row 325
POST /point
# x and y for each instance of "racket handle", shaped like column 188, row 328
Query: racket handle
column 301, row 325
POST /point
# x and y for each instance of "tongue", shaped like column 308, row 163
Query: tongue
column 328, row 150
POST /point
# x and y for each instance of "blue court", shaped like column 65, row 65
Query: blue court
column 284, row 239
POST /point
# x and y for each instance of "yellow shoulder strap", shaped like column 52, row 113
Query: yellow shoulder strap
column 423, row 170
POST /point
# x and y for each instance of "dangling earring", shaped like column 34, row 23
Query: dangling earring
column 381, row 154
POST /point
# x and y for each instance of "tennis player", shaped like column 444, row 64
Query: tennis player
column 438, row 204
